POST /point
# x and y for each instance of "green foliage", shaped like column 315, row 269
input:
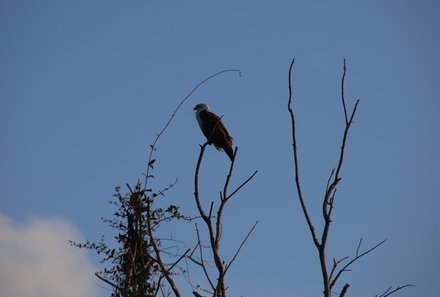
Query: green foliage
column 133, row 268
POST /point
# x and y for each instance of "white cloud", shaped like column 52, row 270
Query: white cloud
column 37, row 261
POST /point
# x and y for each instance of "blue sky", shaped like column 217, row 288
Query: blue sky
column 85, row 85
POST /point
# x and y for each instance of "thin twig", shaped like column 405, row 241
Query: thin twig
column 358, row 247
column 197, row 294
column 328, row 181
column 241, row 245
column 335, row 265
column 153, row 242
column 159, row 284
column 342, row 94
column 111, row 284
column 295, row 155
column 202, row 263
column 161, row 192
column 357, row 257
column 243, row 184
column 178, row 260
column 223, row 199
column 388, row 292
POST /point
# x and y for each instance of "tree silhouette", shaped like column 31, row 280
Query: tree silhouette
column 213, row 221
column 138, row 268
column 330, row 276
column 139, row 264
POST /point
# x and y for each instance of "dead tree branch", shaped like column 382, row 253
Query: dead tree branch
column 388, row 292
column 241, row 245
column 214, row 225
column 329, row 196
column 344, row 290
column 120, row 290
column 164, row 270
column 295, row 155
column 329, row 279
column 201, row 263
column 357, row 257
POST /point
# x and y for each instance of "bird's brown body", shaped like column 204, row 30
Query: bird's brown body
column 214, row 130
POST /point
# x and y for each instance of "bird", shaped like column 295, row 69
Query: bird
column 213, row 129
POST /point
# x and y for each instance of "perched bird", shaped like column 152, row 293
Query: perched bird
column 213, row 129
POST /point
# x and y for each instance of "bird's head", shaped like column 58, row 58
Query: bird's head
column 201, row 107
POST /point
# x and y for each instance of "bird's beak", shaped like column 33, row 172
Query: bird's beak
column 194, row 108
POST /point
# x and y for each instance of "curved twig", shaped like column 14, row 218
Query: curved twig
column 153, row 146
column 215, row 227
column 295, row 156
column 388, row 292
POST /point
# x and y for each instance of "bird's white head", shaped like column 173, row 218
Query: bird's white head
column 201, row 107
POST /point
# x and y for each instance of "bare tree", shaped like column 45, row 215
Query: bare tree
column 213, row 221
column 330, row 276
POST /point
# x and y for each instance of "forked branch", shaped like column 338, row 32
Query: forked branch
column 201, row 262
column 329, row 279
column 214, row 225
column 357, row 257
column 389, row 291
column 329, row 196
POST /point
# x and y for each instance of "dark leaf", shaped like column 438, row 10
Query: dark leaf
column 151, row 163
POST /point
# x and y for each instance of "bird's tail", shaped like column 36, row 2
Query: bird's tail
column 229, row 152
